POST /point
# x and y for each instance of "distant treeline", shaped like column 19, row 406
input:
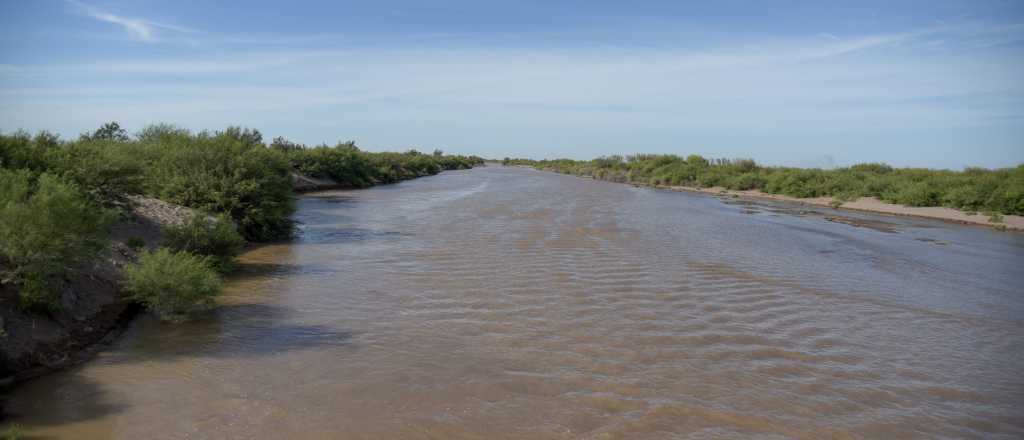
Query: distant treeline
column 973, row 189
column 59, row 198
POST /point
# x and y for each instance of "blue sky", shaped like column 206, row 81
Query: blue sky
column 922, row 83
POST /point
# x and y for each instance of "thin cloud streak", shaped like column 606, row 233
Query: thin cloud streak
column 145, row 30
column 604, row 59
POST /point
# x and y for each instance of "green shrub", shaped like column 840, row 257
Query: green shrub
column 215, row 238
column 347, row 165
column 916, row 194
column 873, row 168
column 746, row 181
column 796, row 182
column 111, row 131
column 1008, row 196
column 47, row 227
column 103, row 169
column 227, row 173
column 173, row 285
column 966, row 197
column 162, row 132
column 21, row 151
column 12, row 432
column 342, row 163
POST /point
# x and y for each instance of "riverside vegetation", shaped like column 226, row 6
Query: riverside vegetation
column 59, row 199
column 995, row 192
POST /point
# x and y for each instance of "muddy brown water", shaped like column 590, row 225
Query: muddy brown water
column 510, row 303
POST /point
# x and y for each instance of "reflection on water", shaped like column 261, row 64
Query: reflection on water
column 509, row 303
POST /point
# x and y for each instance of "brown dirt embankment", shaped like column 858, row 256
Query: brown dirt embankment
column 304, row 183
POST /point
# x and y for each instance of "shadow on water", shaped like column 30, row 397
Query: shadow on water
column 256, row 271
column 332, row 198
column 83, row 398
column 335, row 235
column 230, row 331
column 326, row 208
column 312, row 217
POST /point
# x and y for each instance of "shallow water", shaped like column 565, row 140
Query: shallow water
column 510, row 303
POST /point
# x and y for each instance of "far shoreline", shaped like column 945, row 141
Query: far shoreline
column 871, row 205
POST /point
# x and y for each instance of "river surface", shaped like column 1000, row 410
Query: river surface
column 510, row 303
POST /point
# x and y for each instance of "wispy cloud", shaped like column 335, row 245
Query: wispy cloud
column 143, row 29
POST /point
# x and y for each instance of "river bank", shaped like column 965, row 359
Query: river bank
column 868, row 204
column 944, row 194
column 862, row 204
column 92, row 310
column 85, row 223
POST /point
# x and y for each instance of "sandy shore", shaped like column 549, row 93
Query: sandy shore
column 871, row 204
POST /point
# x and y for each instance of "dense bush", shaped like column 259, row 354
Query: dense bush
column 227, row 172
column 105, row 171
column 215, row 238
column 343, row 163
column 746, row 181
column 173, row 285
column 47, row 226
column 973, row 189
column 21, row 151
column 349, row 166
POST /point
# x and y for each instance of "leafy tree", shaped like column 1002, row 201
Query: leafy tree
column 248, row 137
column 111, row 131
column 284, row 145
column 162, row 133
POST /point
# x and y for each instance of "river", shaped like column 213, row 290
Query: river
column 505, row 302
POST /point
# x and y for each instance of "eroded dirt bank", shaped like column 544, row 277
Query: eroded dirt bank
column 91, row 307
